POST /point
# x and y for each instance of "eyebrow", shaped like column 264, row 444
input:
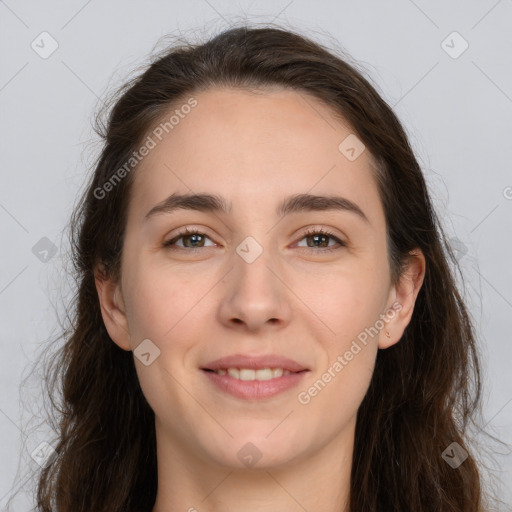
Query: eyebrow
column 293, row 204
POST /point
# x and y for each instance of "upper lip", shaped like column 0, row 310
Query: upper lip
column 254, row 362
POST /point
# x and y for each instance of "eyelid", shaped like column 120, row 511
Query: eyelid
column 316, row 230
column 310, row 231
column 185, row 232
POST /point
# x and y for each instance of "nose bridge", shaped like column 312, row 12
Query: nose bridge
column 251, row 265
column 255, row 294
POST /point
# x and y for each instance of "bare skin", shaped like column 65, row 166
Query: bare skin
column 295, row 299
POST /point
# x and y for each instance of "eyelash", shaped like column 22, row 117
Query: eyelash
column 169, row 243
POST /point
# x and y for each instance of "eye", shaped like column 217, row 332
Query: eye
column 193, row 235
column 197, row 239
column 320, row 236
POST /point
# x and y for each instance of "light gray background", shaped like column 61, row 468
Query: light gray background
column 457, row 111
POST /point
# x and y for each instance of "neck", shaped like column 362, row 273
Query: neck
column 315, row 482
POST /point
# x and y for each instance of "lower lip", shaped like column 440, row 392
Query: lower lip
column 255, row 389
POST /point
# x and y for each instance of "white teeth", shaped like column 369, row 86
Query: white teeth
column 263, row 374
column 249, row 374
column 234, row 372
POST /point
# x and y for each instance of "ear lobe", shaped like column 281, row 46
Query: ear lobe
column 403, row 296
column 113, row 309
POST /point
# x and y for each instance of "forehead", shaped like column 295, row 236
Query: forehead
column 254, row 148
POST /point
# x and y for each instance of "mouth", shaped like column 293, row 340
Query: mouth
column 253, row 385
column 254, row 377
column 250, row 374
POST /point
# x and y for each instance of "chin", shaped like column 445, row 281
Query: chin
column 255, row 452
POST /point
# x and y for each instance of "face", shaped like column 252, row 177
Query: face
column 256, row 281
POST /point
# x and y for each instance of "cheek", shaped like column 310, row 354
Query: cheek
column 329, row 402
column 350, row 304
column 344, row 375
column 347, row 301
column 159, row 298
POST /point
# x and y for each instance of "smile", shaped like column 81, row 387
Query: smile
column 250, row 374
column 252, row 384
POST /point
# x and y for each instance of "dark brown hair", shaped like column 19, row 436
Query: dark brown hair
column 106, row 435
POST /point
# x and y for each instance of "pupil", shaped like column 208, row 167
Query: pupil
column 194, row 236
column 316, row 237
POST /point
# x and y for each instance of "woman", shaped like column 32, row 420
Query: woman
column 266, row 317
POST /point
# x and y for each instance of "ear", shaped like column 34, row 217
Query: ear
column 402, row 299
column 112, row 308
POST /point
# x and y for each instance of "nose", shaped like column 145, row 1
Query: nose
column 255, row 296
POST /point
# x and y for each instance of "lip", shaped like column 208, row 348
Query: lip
column 255, row 363
column 254, row 389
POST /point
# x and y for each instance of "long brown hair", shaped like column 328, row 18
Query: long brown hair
column 106, row 435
